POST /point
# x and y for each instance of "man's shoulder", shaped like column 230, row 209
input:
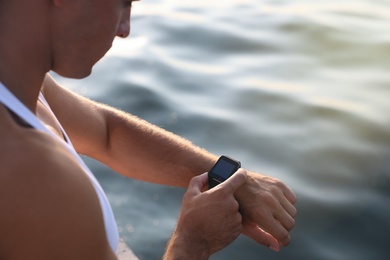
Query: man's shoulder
column 27, row 154
column 24, row 149
column 33, row 162
column 32, row 158
column 46, row 199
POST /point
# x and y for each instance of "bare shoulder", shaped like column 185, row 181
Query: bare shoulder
column 49, row 209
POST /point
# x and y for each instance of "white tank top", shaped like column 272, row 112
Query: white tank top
column 13, row 104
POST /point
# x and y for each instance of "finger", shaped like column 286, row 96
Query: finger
column 234, row 181
column 285, row 203
column 197, row 183
column 260, row 236
column 289, row 194
column 287, row 206
column 271, row 224
column 285, row 219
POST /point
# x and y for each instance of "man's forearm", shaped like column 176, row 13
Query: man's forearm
column 143, row 151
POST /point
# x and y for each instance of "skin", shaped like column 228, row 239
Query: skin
column 66, row 220
column 224, row 218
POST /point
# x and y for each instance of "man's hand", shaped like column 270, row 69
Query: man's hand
column 267, row 208
column 208, row 221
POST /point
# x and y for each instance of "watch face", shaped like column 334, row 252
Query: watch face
column 224, row 168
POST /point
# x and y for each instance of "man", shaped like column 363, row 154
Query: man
column 52, row 207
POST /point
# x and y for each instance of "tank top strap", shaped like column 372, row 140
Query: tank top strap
column 14, row 104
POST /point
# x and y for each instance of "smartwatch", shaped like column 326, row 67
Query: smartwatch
column 222, row 170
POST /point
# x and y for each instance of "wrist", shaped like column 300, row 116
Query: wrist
column 181, row 246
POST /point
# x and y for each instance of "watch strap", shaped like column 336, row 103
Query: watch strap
column 213, row 182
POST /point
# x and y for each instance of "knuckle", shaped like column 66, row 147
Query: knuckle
column 269, row 198
column 194, row 180
column 239, row 220
column 290, row 225
column 293, row 212
column 284, row 238
column 186, row 197
column 276, row 188
column 235, row 206
column 243, row 172
column 280, row 185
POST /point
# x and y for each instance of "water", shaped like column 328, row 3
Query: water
column 296, row 89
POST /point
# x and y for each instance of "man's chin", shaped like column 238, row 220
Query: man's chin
column 74, row 73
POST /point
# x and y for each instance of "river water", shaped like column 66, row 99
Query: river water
column 295, row 89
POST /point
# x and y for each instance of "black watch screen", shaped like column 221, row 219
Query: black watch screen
column 222, row 170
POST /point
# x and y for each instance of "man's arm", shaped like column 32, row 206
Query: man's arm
column 49, row 208
column 140, row 150
column 126, row 143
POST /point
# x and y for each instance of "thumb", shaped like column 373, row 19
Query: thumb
column 235, row 181
column 197, row 184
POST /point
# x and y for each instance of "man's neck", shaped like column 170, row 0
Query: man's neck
column 24, row 49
